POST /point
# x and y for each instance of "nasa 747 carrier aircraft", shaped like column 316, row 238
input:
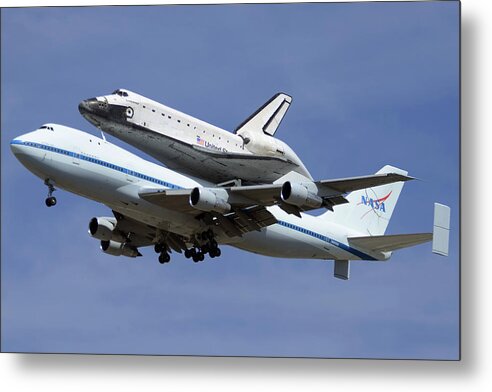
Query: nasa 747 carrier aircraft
column 153, row 205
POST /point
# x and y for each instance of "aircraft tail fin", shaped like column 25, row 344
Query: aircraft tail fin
column 442, row 216
column 268, row 117
column 369, row 210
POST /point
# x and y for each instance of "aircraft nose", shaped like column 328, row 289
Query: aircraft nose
column 93, row 106
column 17, row 145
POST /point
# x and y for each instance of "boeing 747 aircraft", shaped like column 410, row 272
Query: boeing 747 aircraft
column 251, row 154
column 155, row 206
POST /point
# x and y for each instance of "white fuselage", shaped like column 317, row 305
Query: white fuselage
column 96, row 169
column 176, row 139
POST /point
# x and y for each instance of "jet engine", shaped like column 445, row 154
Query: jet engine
column 115, row 248
column 298, row 195
column 204, row 199
column 102, row 228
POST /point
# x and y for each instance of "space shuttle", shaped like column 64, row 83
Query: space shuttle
column 251, row 154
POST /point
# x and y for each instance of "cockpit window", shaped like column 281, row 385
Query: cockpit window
column 120, row 93
column 46, row 127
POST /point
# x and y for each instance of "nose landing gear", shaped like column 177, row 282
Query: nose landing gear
column 50, row 200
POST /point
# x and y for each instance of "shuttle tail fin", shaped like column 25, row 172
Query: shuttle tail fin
column 369, row 210
column 268, row 117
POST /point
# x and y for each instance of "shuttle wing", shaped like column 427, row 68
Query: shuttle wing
column 218, row 166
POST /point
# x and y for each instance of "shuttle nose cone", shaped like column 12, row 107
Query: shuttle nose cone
column 98, row 111
column 93, row 106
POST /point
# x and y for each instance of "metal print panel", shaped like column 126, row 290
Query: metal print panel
column 232, row 180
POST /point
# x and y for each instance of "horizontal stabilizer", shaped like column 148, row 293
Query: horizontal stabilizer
column 388, row 243
column 442, row 215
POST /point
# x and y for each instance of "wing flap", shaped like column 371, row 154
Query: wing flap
column 171, row 199
column 250, row 219
column 387, row 243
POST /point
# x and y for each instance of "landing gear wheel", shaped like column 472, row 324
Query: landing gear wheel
column 198, row 256
column 164, row 258
column 50, row 201
column 215, row 253
column 188, row 253
column 213, row 245
column 158, row 248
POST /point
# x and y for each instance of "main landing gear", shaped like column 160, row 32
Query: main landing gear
column 164, row 257
column 50, row 200
column 209, row 245
column 205, row 243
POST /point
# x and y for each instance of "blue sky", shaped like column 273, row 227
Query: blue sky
column 372, row 83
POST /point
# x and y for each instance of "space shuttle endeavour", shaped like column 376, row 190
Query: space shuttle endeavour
column 251, row 153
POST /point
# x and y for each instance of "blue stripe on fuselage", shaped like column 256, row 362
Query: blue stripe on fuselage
column 97, row 162
column 328, row 240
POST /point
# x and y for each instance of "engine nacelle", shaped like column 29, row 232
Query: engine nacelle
column 102, row 228
column 298, row 195
column 115, row 248
column 204, row 199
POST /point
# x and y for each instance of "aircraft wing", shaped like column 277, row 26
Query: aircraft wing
column 244, row 215
column 346, row 185
column 244, row 207
column 217, row 166
column 222, row 166
column 139, row 234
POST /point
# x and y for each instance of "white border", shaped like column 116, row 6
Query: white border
column 82, row 373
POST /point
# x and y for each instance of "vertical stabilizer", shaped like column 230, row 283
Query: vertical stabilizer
column 369, row 210
column 268, row 117
column 440, row 240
